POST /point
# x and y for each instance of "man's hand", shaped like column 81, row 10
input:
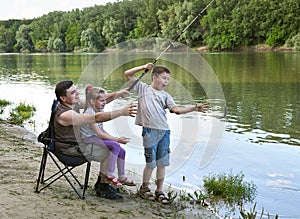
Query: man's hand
column 130, row 110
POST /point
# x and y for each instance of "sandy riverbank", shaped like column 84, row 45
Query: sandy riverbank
column 19, row 165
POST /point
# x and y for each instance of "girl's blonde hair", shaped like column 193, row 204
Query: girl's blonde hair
column 92, row 94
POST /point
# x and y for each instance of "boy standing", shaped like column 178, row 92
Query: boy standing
column 151, row 115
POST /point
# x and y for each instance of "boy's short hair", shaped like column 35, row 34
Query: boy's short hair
column 157, row 70
column 61, row 88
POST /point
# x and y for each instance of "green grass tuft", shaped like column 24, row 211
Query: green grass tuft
column 230, row 187
column 21, row 113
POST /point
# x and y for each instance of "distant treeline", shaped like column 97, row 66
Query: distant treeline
column 226, row 24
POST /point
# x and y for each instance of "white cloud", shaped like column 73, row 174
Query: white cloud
column 20, row 9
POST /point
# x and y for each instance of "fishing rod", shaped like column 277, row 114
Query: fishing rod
column 170, row 44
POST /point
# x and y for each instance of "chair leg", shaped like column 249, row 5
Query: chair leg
column 86, row 180
column 63, row 171
column 66, row 177
column 74, row 177
column 42, row 170
column 41, row 178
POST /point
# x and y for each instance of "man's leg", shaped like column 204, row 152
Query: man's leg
column 101, row 154
column 104, row 189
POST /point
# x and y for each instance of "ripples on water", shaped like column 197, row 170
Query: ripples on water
column 260, row 136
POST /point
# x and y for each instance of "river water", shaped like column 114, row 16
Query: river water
column 259, row 91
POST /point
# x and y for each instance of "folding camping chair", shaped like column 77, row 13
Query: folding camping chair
column 64, row 163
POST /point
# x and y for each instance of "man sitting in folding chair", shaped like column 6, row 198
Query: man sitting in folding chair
column 67, row 122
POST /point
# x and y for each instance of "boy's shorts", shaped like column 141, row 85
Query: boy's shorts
column 156, row 147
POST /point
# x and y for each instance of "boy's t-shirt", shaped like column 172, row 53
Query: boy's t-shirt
column 151, row 107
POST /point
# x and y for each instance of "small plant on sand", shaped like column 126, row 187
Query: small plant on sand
column 232, row 192
column 251, row 214
column 183, row 196
column 199, row 197
column 21, row 113
column 230, row 187
column 3, row 104
column 172, row 195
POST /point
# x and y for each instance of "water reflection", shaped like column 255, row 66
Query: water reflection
column 273, row 108
column 262, row 90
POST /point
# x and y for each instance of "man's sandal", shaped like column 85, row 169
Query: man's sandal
column 161, row 198
column 145, row 193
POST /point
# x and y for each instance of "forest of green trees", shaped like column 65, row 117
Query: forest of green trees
column 225, row 25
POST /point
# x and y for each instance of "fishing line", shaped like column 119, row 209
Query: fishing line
column 170, row 44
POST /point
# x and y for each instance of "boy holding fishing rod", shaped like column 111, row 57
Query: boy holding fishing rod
column 151, row 115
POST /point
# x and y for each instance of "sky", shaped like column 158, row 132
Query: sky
column 28, row 9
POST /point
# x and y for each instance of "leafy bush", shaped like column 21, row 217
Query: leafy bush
column 3, row 104
column 275, row 37
column 21, row 113
column 294, row 42
column 297, row 42
column 289, row 43
column 230, row 187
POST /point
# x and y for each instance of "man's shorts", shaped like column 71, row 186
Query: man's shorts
column 156, row 147
column 94, row 152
